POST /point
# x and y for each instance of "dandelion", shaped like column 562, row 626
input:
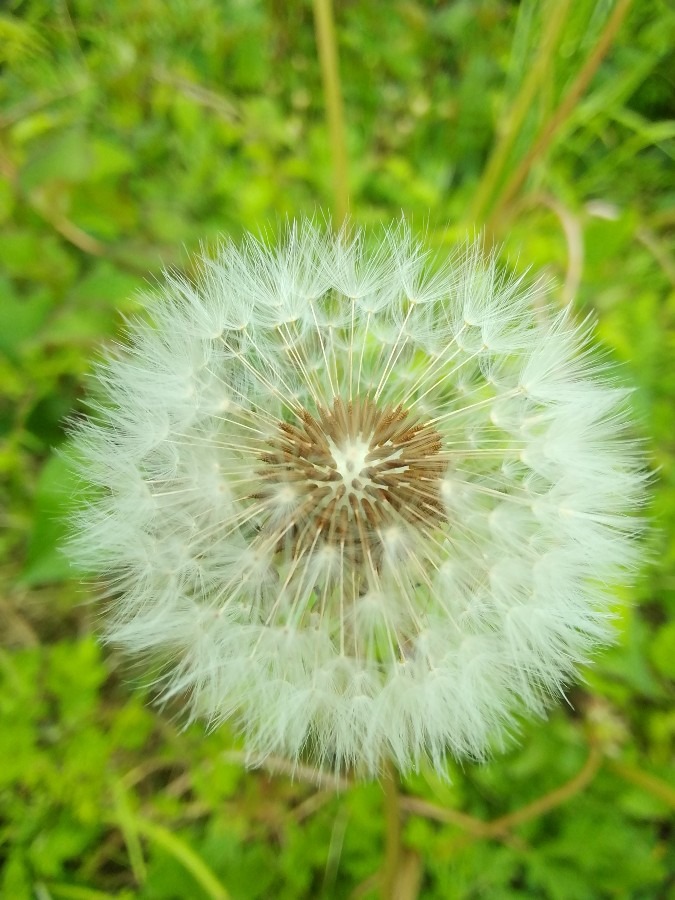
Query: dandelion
column 367, row 505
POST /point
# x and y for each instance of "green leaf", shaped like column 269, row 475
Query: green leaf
column 20, row 317
column 54, row 500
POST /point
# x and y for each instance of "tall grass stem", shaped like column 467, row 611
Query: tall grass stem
column 513, row 121
column 557, row 119
column 326, row 38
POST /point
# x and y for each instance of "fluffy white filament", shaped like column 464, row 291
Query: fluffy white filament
column 348, row 594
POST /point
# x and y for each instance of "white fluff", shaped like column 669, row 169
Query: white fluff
column 459, row 627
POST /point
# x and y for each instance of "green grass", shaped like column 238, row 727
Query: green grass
column 133, row 130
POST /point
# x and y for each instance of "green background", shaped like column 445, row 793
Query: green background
column 131, row 131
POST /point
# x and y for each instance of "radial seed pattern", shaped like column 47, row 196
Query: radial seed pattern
column 346, row 478
column 362, row 502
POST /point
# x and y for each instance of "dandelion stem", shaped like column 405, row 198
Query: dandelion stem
column 392, row 814
column 326, row 39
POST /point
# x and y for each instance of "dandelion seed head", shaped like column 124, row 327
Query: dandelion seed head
column 365, row 503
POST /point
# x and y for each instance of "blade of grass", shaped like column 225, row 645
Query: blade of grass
column 185, row 855
column 126, row 822
column 560, row 115
column 516, row 116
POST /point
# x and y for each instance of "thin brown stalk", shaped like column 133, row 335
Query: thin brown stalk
column 549, row 801
column 427, row 810
column 499, row 827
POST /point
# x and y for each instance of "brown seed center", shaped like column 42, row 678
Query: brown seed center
column 347, row 476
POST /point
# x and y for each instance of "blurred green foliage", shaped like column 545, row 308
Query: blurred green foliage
column 133, row 130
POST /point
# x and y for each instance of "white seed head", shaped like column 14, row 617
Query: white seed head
column 365, row 504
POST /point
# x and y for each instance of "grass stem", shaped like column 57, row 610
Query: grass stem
column 551, row 127
column 512, row 123
column 324, row 23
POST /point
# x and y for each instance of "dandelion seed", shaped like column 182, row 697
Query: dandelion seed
column 366, row 505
